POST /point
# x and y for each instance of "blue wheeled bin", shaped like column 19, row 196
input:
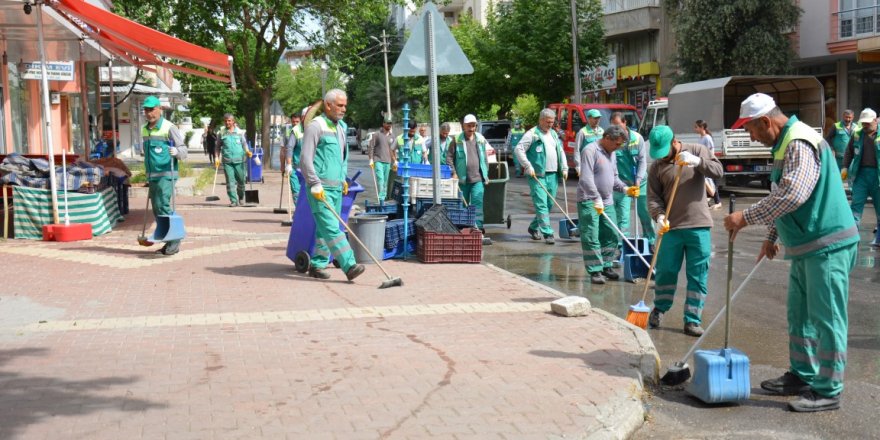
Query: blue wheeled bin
column 256, row 171
column 301, row 242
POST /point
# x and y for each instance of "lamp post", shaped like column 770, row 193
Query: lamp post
column 384, row 44
column 578, row 98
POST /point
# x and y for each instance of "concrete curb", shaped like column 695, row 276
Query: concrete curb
column 622, row 416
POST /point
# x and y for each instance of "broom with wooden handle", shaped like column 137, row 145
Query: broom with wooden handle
column 638, row 313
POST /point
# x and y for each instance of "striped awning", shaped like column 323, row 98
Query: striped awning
column 33, row 209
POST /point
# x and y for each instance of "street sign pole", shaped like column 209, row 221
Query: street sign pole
column 387, row 82
column 578, row 93
column 47, row 113
column 435, row 116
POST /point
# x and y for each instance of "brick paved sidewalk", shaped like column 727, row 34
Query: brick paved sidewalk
column 103, row 339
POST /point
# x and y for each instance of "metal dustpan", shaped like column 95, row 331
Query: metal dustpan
column 169, row 227
column 251, row 196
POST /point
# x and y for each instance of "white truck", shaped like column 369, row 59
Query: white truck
column 717, row 102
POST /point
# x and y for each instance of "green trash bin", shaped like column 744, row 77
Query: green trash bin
column 495, row 195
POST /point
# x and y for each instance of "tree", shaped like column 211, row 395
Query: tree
column 737, row 37
column 300, row 88
column 527, row 108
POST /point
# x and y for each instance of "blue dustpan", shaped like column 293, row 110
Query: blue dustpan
column 169, row 227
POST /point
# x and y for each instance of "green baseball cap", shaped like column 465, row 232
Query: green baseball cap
column 661, row 140
column 152, row 102
column 593, row 113
column 388, row 120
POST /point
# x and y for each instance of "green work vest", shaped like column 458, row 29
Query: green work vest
column 231, row 148
column 461, row 158
column 444, row 145
column 841, row 138
column 515, row 135
column 157, row 159
column 331, row 157
column 417, row 147
column 590, row 136
column 536, row 155
column 858, row 149
column 627, row 159
column 297, row 149
column 824, row 222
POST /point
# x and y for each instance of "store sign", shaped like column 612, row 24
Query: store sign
column 55, row 70
column 602, row 77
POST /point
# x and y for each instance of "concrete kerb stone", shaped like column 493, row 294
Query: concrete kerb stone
column 622, row 416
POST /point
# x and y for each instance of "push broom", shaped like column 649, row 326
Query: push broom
column 564, row 212
column 638, row 313
column 213, row 197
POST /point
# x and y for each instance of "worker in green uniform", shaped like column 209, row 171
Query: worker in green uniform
column 163, row 147
column 632, row 158
column 290, row 154
column 513, row 136
column 444, row 141
column 588, row 134
column 233, row 149
column 415, row 143
column 540, row 153
column 467, row 158
column 840, row 134
column 324, row 162
column 806, row 209
column 687, row 230
column 860, row 163
column 382, row 157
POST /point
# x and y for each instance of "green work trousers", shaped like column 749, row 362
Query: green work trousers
column 472, row 193
column 694, row 245
column 543, row 202
column 160, row 196
column 329, row 238
column 598, row 238
column 382, row 170
column 818, row 290
column 234, row 180
column 294, row 186
column 865, row 185
column 623, row 209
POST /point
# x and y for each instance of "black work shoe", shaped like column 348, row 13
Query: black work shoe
column 812, row 402
column 788, row 384
column 654, row 319
column 233, row 204
column 487, row 241
column 597, row 278
column 534, row 234
column 693, row 329
column 549, row 239
column 610, row 274
column 320, row 274
column 354, row 271
column 162, row 250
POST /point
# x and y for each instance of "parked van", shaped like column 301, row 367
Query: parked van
column 572, row 117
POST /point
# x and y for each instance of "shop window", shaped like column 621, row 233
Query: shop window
column 19, row 101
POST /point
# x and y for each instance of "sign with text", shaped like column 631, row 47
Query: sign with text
column 55, row 70
column 602, row 77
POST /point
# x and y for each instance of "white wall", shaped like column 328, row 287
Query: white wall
column 815, row 29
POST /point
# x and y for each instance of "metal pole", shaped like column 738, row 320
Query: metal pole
column 47, row 113
column 578, row 97
column 387, row 83
column 112, row 107
column 83, row 101
column 432, row 93
column 404, row 173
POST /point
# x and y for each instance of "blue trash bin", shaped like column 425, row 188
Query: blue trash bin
column 256, row 171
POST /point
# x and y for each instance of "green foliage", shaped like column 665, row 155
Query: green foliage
column 295, row 90
column 527, row 108
column 737, row 37
column 206, row 177
column 188, row 136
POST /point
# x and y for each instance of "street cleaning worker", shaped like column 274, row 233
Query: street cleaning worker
column 540, row 153
column 163, row 148
column 598, row 180
column 806, row 209
column 445, row 141
column 382, row 156
column 290, row 154
column 588, row 134
column 233, row 149
column 467, row 158
column 513, row 137
column 687, row 228
column 632, row 158
column 840, row 134
column 415, row 143
column 860, row 164
column 324, row 163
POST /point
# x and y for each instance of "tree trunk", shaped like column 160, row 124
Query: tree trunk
column 265, row 102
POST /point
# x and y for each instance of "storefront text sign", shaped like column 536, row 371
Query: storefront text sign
column 602, row 77
column 55, row 70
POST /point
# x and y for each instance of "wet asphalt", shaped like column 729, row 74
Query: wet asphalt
column 758, row 324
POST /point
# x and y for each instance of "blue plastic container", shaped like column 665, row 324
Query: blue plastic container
column 720, row 376
column 633, row 266
column 566, row 230
column 387, row 208
column 424, row 170
column 301, row 241
column 256, row 171
column 397, row 251
column 422, row 204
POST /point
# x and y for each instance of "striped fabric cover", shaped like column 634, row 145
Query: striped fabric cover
column 33, row 209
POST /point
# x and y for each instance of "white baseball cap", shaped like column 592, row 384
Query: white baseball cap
column 755, row 106
column 867, row 115
column 469, row 118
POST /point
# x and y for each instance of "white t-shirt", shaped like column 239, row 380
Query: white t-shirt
column 552, row 163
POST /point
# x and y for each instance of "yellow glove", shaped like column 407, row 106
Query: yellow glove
column 249, row 154
column 217, row 163
column 372, row 165
column 843, row 173
column 318, row 193
column 345, row 188
column 662, row 224
column 599, row 207
column 633, row 191
column 394, row 167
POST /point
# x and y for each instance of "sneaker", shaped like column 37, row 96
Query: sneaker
column 654, row 319
column 320, row 274
column 788, row 384
column 162, row 250
column 597, row 278
column 693, row 329
column 610, row 274
column 233, row 204
column 812, row 402
column 354, row 271
column 534, row 234
column 487, row 241
column 549, row 239
column 716, row 206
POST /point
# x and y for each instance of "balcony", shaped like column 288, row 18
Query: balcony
column 630, row 16
column 615, row 6
column 855, row 23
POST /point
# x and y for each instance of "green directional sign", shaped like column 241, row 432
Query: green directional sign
column 451, row 60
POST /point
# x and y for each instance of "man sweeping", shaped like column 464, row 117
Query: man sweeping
column 467, row 158
column 590, row 133
column 806, row 210
column 290, row 154
column 382, row 156
column 632, row 165
column 687, row 236
column 233, row 149
column 163, row 147
column 860, row 163
column 324, row 163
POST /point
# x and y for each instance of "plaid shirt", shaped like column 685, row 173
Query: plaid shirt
column 800, row 173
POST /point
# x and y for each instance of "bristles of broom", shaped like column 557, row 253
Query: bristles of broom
column 638, row 315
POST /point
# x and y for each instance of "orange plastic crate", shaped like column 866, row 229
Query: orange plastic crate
column 466, row 247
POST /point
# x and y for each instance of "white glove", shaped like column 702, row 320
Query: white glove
column 288, row 169
column 173, row 151
column 257, row 161
column 599, row 206
column 318, row 192
column 662, row 224
column 372, row 164
column 687, row 159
